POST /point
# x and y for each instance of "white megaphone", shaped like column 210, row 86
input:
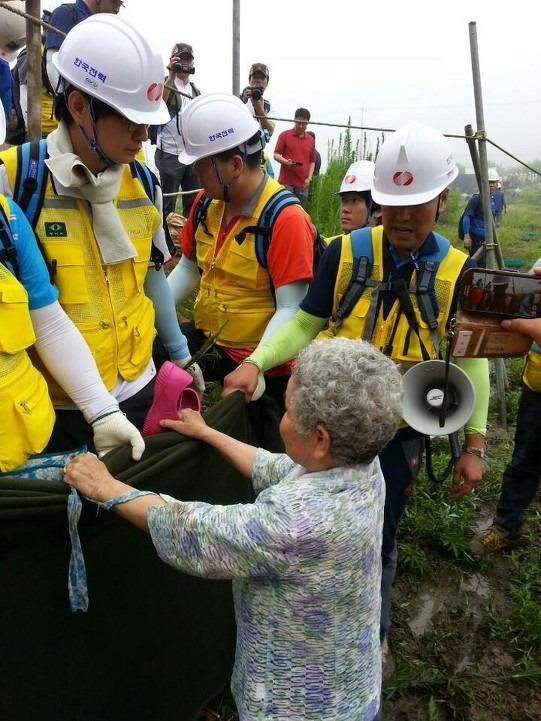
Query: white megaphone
column 423, row 387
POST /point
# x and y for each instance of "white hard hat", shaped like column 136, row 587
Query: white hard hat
column 12, row 31
column 2, row 124
column 109, row 59
column 214, row 123
column 493, row 176
column 359, row 177
column 413, row 166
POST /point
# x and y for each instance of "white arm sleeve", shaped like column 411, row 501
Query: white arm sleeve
column 288, row 298
column 69, row 360
column 183, row 279
column 52, row 72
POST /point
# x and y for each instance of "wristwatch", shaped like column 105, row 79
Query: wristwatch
column 479, row 452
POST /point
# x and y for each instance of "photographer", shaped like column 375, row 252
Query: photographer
column 174, row 174
column 252, row 95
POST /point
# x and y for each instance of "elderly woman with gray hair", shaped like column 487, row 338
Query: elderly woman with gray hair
column 305, row 555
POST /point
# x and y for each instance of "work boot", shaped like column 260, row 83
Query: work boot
column 494, row 539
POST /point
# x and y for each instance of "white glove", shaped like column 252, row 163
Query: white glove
column 196, row 373
column 115, row 430
column 467, row 241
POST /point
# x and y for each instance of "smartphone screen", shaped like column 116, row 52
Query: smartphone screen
column 511, row 295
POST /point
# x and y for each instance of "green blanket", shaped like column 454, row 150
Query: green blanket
column 155, row 644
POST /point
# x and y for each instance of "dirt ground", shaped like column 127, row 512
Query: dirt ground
column 450, row 665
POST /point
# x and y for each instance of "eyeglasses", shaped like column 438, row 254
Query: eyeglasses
column 130, row 126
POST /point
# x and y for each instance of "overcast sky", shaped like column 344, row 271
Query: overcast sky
column 382, row 64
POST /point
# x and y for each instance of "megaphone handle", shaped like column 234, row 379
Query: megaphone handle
column 455, row 445
column 443, row 409
column 428, row 462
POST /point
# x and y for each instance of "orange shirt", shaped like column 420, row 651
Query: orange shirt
column 289, row 259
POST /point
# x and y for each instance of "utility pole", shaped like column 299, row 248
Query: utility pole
column 33, row 54
column 236, row 47
column 480, row 164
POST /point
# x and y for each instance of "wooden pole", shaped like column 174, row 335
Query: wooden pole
column 236, row 47
column 499, row 365
column 470, row 140
column 481, row 139
column 33, row 50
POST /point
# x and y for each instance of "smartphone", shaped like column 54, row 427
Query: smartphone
column 296, row 162
column 501, row 292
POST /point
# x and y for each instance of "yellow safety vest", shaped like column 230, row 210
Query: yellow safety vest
column 106, row 303
column 532, row 370
column 234, row 286
column 394, row 329
column 25, row 407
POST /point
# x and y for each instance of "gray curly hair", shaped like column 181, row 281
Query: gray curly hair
column 351, row 389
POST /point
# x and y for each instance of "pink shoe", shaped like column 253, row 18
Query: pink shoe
column 171, row 394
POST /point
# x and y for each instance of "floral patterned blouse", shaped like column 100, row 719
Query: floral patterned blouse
column 306, row 569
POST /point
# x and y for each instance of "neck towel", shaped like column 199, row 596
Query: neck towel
column 99, row 190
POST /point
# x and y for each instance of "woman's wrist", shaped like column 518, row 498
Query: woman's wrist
column 110, row 489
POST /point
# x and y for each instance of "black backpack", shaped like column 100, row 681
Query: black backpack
column 8, row 252
column 461, row 226
column 16, row 129
column 263, row 230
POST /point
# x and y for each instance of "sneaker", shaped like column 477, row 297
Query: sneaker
column 497, row 538
column 171, row 394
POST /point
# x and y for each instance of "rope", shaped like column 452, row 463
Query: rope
column 36, row 21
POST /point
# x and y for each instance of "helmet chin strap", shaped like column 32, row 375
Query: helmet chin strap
column 93, row 141
column 225, row 186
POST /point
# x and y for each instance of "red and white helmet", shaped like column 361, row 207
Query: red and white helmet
column 413, row 166
column 107, row 58
column 12, row 31
column 359, row 177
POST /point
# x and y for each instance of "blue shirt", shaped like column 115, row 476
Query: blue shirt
column 33, row 273
column 474, row 222
column 65, row 17
column 499, row 200
column 6, row 84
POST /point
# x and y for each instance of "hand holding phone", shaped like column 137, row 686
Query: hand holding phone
column 486, row 298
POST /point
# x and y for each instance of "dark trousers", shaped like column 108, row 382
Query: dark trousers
column 216, row 364
column 400, row 461
column 522, row 476
column 72, row 431
column 476, row 242
column 174, row 175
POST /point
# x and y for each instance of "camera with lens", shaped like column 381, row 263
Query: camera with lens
column 183, row 68
column 257, row 93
